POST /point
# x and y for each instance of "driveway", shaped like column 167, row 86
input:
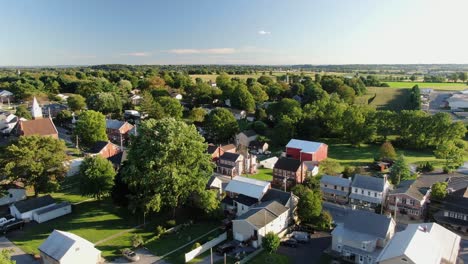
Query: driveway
column 146, row 257
column 308, row 253
column 18, row 255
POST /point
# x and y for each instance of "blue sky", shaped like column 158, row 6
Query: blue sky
column 61, row 32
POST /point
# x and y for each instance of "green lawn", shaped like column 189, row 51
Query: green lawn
column 262, row 174
column 386, row 98
column 436, row 86
column 273, row 258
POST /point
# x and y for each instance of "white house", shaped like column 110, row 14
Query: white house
column 367, row 191
column 245, row 192
column 421, row 243
column 245, row 137
column 67, row 248
column 261, row 219
column 12, row 195
column 268, row 163
column 52, row 212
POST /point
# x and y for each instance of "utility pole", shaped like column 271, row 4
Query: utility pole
column 211, row 253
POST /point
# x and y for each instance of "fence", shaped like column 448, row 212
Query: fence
column 200, row 250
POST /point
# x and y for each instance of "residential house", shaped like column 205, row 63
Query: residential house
column 231, row 148
column 261, row 219
column 176, row 95
column 105, row 149
column 230, row 164
column 368, row 192
column 215, row 151
column 67, row 248
column 8, row 121
column 136, row 99
column 288, row 171
column 410, row 199
column 454, row 211
column 218, row 182
column 243, row 192
column 118, row 159
column 306, row 150
column 244, row 138
column 238, row 114
column 118, row 131
column 421, row 243
column 12, row 193
column 268, row 163
column 258, row 146
column 335, row 189
column 40, row 209
column 312, row 168
column 5, row 96
column 362, row 236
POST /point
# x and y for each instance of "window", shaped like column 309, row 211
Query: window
column 335, row 187
column 362, row 191
column 342, row 188
column 355, row 190
column 375, row 194
column 404, row 259
column 403, row 201
column 325, row 186
column 11, row 195
column 368, row 193
column 411, row 202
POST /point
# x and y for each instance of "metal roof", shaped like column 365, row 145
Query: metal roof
column 368, row 223
column 368, row 183
column 247, row 186
column 304, row 145
column 59, row 243
column 335, row 180
column 114, row 124
column 34, row 203
column 263, row 213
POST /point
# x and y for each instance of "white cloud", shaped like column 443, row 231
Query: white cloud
column 263, row 32
column 137, row 54
column 202, row 51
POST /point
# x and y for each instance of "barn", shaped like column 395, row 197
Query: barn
column 304, row 150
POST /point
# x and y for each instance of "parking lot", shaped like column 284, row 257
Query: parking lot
column 310, row 252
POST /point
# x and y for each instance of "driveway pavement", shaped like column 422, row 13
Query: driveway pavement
column 18, row 255
column 145, row 258
column 308, row 253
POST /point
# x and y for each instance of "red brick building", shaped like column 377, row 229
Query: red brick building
column 118, row 131
column 215, row 151
column 306, row 150
column 105, row 149
column 410, row 198
column 289, row 171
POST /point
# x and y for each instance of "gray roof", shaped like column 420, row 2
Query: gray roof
column 335, row 180
column 114, row 124
column 277, row 195
column 263, row 213
column 34, row 203
column 59, row 243
column 367, row 222
column 52, row 208
column 410, row 188
column 333, row 191
column 230, row 156
column 368, row 183
column 365, row 198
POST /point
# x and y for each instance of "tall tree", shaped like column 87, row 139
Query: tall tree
column 90, row 128
column 400, row 170
column 36, row 161
column 242, row 99
column 76, row 102
column 387, row 152
column 167, row 163
column 439, row 190
column 96, row 177
column 453, row 154
column 309, row 205
column 221, row 125
column 22, row 111
column 105, row 102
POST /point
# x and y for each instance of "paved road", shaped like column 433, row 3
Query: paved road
column 308, row 253
column 18, row 255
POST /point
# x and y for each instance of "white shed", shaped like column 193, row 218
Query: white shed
column 67, row 248
column 52, row 212
column 25, row 209
column 268, row 163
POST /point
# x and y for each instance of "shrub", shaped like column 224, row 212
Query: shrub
column 137, row 240
column 196, row 245
column 271, row 242
column 171, row 223
column 159, row 231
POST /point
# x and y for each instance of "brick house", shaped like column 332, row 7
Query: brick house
column 289, row 170
column 230, row 164
column 335, row 189
column 118, row 131
column 410, row 199
column 306, row 150
column 105, row 149
column 215, row 151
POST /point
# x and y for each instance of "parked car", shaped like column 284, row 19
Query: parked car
column 4, row 221
column 289, row 243
column 130, row 255
column 17, row 224
column 301, row 237
column 225, row 248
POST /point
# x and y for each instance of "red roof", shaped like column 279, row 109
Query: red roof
column 42, row 127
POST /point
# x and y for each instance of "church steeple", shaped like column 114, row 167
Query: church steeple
column 36, row 110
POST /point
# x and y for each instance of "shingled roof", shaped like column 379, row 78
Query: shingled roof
column 368, row 183
column 41, row 127
column 288, row 164
column 34, row 203
column 263, row 213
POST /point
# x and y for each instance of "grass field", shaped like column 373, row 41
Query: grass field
column 273, row 258
column 436, row 86
column 262, row 174
column 386, row 98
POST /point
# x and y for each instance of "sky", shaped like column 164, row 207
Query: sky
column 90, row 32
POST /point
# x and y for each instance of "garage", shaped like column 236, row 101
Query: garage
column 52, row 212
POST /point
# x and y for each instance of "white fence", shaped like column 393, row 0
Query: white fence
column 199, row 250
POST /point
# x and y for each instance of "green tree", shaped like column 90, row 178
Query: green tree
column 258, row 92
column 105, row 102
column 309, row 205
column 125, row 86
column 242, row 99
column 207, row 200
column 90, row 128
column 137, row 240
column 271, row 242
column 283, row 131
column 22, row 111
column 167, row 163
column 330, row 167
column 400, row 170
column 463, row 76
column 36, row 161
column 221, row 125
column 439, row 190
column 453, row 154
column 76, row 102
column 96, row 177
column 197, row 114
column 170, row 107
column 63, row 117
column 387, row 152
column 5, row 257
column 357, row 125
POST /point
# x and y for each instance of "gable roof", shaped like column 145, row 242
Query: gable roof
column 114, row 124
column 118, row 158
column 439, row 244
column 411, row 189
column 230, row 156
column 263, row 213
column 59, row 243
column 42, row 127
column 247, row 186
column 456, row 183
column 5, row 93
column 335, row 180
column 257, row 144
column 229, row 147
column 368, row 183
column 276, row 195
column 367, row 222
column 98, row 146
column 249, row 133
column 34, row 203
column 304, row 145
column 211, row 148
column 288, row 164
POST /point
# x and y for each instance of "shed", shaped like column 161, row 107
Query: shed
column 52, row 212
column 25, row 209
column 268, row 163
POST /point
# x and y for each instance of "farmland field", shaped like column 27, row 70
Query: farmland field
column 386, row 98
column 436, row 86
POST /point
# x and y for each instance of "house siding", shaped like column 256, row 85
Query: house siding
column 296, row 176
column 407, row 205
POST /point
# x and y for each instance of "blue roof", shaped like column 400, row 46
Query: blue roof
column 304, row 145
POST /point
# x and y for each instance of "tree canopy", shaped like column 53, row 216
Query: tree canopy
column 96, row 177
column 221, row 125
column 90, row 128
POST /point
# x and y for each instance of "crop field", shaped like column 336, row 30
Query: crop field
column 386, row 98
column 436, row 86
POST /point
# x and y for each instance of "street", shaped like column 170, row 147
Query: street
column 310, row 252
